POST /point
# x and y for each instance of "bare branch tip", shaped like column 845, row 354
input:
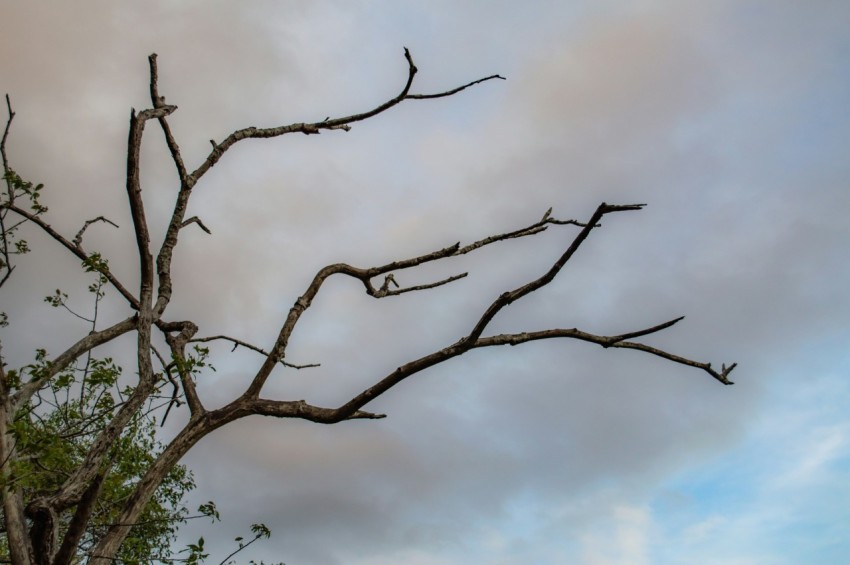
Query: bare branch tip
column 410, row 63
column 363, row 415
column 723, row 375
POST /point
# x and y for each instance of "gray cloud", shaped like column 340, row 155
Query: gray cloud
column 725, row 119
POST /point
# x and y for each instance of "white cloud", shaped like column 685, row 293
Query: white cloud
column 624, row 541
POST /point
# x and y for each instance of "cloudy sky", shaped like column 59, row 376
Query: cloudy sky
column 729, row 118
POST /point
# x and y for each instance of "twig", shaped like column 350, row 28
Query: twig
column 238, row 342
column 78, row 239
column 196, row 220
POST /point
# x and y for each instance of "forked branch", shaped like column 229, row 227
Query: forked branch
column 189, row 180
column 328, row 123
column 474, row 339
column 80, row 490
column 365, row 276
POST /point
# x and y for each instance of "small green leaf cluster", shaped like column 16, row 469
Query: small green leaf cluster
column 194, row 364
column 18, row 187
column 10, row 243
column 196, row 552
column 95, row 263
column 57, row 299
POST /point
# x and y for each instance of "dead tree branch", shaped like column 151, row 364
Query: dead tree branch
column 71, row 505
column 189, row 180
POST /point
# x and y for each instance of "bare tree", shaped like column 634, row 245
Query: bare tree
column 47, row 527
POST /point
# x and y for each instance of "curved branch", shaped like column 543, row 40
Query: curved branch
column 196, row 220
column 78, row 239
column 177, row 343
column 134, row 196
column 328, row 124
column 454, row 90
column 194, row 431
column 365, row 275
column 618, row 341
column 345, row 411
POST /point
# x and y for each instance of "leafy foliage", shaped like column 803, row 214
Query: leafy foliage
column 54, row 434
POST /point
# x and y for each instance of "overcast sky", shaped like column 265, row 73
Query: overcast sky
column 729, row 118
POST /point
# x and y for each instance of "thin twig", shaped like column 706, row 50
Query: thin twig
column 196, row 220
column 78, row 239
column 238, row 342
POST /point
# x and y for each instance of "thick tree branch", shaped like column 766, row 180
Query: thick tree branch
column 302, row 410
column 187, row 182
column 177, row 343
column 251, row 404
column 20, row 548
column 134, row 196
column 195, row 430
column 77, row 527
column 72, row 490
column 64, row 360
